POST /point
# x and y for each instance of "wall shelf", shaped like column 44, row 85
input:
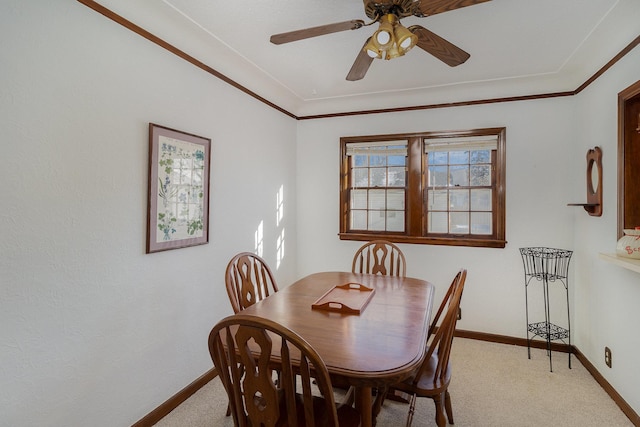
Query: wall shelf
column 591, row 208
column 594, row 183
column 628, row 263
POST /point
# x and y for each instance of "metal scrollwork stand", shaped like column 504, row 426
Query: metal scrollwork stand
column 547, row 265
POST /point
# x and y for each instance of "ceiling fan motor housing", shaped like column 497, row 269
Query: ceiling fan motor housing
column 375, row 9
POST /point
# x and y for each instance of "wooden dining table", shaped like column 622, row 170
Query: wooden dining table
column 383, row 344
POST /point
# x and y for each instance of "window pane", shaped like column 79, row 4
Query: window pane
column 358, row 220
column 396, row 160
column 458, row 157
column 481, row 200
column 378, row 177
column 360, row 160
column 360, row 177
column 481, row 156
column 459, row 200
column 438, row 222
column 358, row 199
column 377, row 160
column 395, row 221
column 376, row 220
column 438, row 158
column 481, row 175
column 395, row 200
column 377, row 199
column 438, row 200
column 459, row 223
column 437, row 176
column 396, row 177
column 481, row 223
column 459, row 176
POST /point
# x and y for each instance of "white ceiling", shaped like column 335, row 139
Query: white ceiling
column 517, row 47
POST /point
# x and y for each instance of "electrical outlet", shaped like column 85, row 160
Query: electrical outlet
column 607, row 356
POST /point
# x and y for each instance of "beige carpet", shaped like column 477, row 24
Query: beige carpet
column 493, row 385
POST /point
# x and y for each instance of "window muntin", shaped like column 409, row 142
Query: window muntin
column 452, row 191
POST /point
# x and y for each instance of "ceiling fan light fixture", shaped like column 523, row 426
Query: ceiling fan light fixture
column 393, row 52
column 372, row 49
column 405, row 38
column 391, row 40
column 384, row 36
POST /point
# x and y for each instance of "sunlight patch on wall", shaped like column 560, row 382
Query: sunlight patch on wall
column 259, row 239
column 279, row 248
column 279, row 218
column 279, row 205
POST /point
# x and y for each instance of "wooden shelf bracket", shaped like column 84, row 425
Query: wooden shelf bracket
column 594, row 183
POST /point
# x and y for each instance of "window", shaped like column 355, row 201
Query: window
column 443, row 188
column 378, row 185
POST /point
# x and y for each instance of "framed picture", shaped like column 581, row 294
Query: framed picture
column 178, row 205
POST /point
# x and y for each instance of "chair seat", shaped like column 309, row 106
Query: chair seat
column 348, row 416
column 426, row 384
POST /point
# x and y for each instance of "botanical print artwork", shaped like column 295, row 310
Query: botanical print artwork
column 180, row 196
column 178, row 203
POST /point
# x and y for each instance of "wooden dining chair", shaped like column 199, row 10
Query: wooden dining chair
column 261, row 346
column 248, row 279
column 434, row 375
column 447, row 299
column 379, row 257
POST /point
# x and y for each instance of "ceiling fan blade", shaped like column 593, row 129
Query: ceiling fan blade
column 442, row 49
column 321, row 30
column 433, row 7
column 360, row 65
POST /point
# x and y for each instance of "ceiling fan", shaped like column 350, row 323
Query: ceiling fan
column 392, row 40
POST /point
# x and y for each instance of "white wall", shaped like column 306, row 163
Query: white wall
column 536, row 198
column 606, row 296
column 94, row 332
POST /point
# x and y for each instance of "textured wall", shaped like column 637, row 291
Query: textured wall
column 94, row 332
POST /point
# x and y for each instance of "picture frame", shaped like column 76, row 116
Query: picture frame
column 178, row 202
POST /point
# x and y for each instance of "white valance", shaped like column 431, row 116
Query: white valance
column 466, row 143
column 377, row 148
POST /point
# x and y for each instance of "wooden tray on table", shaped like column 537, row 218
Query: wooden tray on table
column 350, row 298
